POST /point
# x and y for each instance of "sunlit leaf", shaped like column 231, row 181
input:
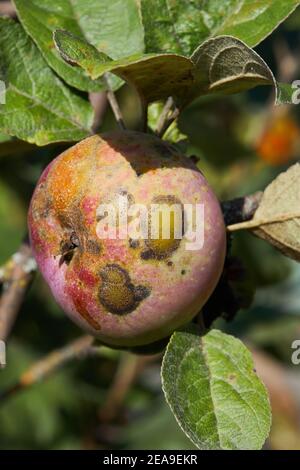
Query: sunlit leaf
column 155, row 76
column 220, row 65
column 113, row 26
column 181, row 25
column 39, row 107
column 214, row 392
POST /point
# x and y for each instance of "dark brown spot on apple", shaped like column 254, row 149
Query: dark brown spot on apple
column 117, row 293
column 148, row 254
column 134, row 243
column 140, row 293
column 67, row 248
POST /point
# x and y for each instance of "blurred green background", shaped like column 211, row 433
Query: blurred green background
column 242, row 143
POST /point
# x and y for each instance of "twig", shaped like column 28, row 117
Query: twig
column 129, row 368
column 241, row 209
column 122, row 382
column 114, row 104
column 169, row 114
column 99, row 103
column 16, row 275
column 78, row 349
column 164, row 114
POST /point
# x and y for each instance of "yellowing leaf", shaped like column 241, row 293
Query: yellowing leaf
column 281, row 200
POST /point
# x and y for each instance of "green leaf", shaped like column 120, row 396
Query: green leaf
column 180, row 25
column 214, row 392
column 77, row 51
column 254, row 21
column 220, row 65
column 39, row 107
column 155, row 76
column 5, row 138
column 113, row 26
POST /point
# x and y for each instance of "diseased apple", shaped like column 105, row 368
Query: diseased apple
column 126, row 291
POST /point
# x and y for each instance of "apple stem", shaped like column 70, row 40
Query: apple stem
column 168, row 115
column 114, row 104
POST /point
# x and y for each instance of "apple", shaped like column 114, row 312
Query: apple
column 127, row 290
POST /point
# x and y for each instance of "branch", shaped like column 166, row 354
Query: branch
column 78, row 349
column 169, row 114
column 129, row 367
column 241, row 209
column 15, row 277
column 124, row 378
column 114, row 104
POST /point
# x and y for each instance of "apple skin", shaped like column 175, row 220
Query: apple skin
column 124, row 293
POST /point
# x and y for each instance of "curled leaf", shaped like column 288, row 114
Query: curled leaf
column 228, row 65
column 220, row 65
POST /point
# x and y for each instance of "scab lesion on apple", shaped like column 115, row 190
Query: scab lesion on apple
column 117, row 293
